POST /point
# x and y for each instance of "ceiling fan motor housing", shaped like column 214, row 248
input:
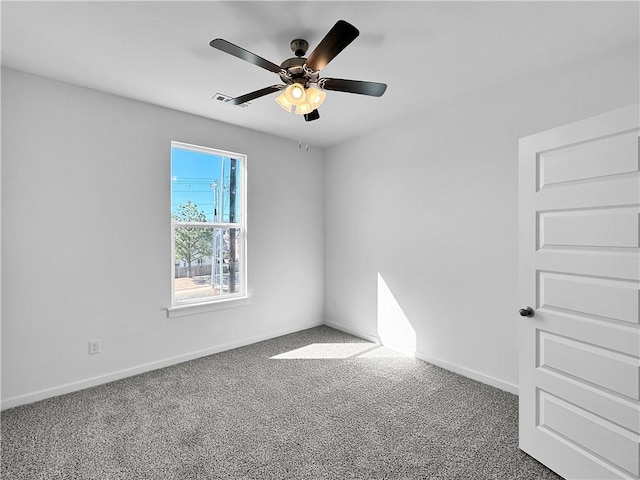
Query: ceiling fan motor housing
column 296, row 73
column 294, row 65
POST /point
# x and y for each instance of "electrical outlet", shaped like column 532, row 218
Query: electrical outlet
column 94, row 347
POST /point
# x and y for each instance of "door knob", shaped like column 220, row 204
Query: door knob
column 526, row 312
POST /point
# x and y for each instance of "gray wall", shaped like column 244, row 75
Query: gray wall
column 421, row 219
column 85, row 178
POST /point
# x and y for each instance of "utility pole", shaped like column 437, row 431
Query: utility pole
column 220, row 257
column 232, row 231
column 214, row 217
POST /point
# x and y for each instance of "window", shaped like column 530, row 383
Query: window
column 208, row 205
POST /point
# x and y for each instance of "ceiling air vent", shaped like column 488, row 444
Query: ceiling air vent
column 221, row 97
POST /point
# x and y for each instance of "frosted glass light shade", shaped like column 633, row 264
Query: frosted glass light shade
column 315, row 97
column 284, row 103
column 295, row 94
column 304, row 108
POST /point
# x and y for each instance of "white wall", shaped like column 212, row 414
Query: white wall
column 420, row 229
column 430, row 204
column 85, row 180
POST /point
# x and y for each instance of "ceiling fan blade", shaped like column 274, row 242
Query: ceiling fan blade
column 253, row 95
column 245, row 55
column 310, row 117
column 340, row 35
column 373, row 89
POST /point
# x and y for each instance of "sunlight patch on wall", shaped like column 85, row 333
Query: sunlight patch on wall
column 394, row 328
column 337, row 351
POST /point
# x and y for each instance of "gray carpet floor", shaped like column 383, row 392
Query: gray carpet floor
column 328, row 406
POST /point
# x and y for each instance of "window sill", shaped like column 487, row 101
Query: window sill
column 195, row 308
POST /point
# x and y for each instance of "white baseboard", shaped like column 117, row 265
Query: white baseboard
column 473, row 374
column 464, row 371
column 128, row 372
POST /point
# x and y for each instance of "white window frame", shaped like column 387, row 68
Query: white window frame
column 204, row 304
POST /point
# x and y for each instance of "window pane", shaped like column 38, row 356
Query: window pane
column 207, row 263
column 226, row 270
column 208, row 184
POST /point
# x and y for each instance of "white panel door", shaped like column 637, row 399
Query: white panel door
column 580, row 274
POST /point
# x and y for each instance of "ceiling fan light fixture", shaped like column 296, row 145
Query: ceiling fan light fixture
column 295, row 94
column 284, row 103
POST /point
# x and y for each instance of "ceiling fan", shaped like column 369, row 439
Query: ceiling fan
column 303, row 89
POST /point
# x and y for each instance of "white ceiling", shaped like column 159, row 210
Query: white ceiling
column 426, row 52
